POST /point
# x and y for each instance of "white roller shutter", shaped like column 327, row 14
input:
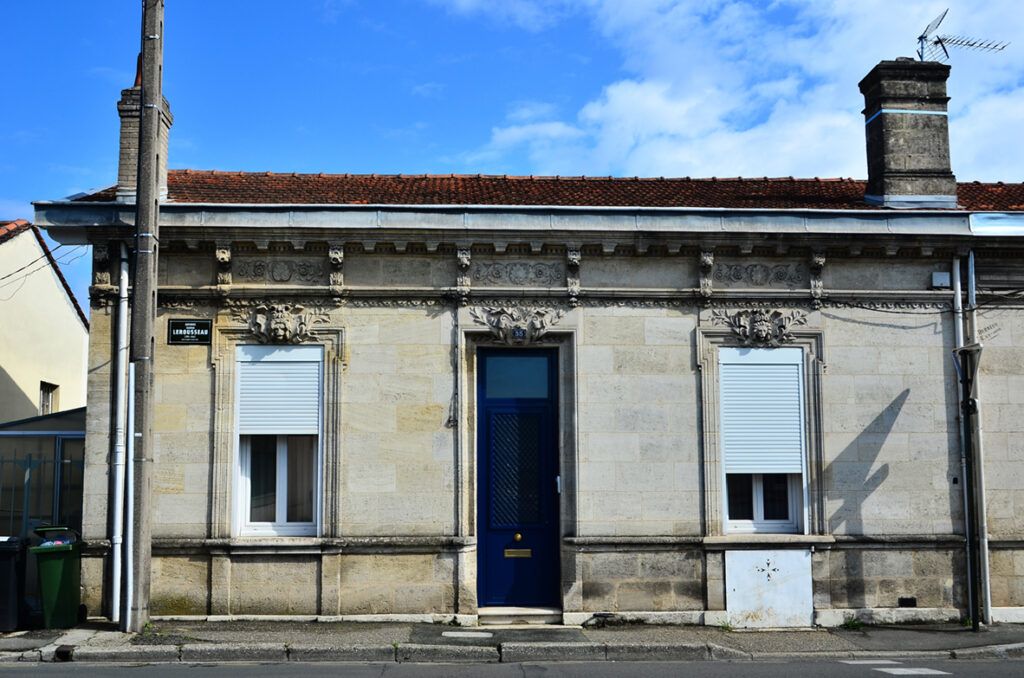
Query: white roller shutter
column 761, row 409
column 279, row 390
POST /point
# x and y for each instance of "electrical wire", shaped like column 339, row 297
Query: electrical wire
column 63, row 260
column 5, row 277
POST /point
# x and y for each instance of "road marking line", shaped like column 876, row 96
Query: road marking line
column 467, row 634
column 914, row 672
column 867, row 661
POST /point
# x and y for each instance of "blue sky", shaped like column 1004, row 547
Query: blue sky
column 599, row 87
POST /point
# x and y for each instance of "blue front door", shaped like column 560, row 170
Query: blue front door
column 517, row 443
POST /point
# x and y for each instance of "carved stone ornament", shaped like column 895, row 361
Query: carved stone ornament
column 707, row 263
column 280, row 271
column 336, row 258
column 518, row 273
column 761, row 327
column 817, row 282
column 517, row 326
column 761, row 275
column 100, row 265
column 573, row 257
column 223, row 255
column 464, row 257
column 280, row 324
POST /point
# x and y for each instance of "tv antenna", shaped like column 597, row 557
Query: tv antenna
column 933, row 47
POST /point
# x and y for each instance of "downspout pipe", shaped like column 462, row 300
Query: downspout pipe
column 979, row 450
column 130, row 511
column 120, row 441
column 958, row 333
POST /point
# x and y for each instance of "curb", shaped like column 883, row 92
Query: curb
column 342, row 653
column 508, row 653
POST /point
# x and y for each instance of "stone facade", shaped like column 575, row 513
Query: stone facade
column 640, row 515
column 639, row 293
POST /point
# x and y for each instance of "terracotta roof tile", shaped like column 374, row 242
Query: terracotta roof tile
column 192, row 186
column 9, row 229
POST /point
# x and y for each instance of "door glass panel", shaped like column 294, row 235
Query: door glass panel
column 517, row 376
column 301, row 458
column 515, row 469
column 262, row 479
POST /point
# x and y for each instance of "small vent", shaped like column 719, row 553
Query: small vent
column 907, row 601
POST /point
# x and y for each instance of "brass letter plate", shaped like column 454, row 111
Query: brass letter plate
column 519, row 553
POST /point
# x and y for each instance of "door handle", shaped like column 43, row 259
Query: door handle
column 558, row 484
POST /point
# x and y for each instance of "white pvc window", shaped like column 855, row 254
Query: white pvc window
column 763, row 438
column 279, row 415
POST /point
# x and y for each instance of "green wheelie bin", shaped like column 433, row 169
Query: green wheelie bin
column 59, row 561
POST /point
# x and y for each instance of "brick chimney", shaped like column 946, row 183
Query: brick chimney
column 130, row 110
column 907, row 132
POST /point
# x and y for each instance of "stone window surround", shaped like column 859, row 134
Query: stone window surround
column 225, row 456
column 709, row 339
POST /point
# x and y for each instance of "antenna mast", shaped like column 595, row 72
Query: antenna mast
column 931, row 47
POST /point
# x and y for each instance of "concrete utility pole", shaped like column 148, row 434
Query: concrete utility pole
column 147, row 218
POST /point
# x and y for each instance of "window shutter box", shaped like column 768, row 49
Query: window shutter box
column 761, row 410
column 279, row 392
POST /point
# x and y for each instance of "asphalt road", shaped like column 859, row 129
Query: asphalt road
column 781, row 669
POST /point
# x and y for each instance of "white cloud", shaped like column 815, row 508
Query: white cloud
column 741, row 87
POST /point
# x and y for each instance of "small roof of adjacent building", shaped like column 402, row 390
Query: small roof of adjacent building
column 268, row 188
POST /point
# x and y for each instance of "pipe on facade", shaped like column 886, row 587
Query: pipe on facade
column 958, row 333
column 121, row 415
column 979, row 447
column 130, row 510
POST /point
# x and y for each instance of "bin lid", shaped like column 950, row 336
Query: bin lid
column 52, row 548
column 57, row 532
column 11, row 543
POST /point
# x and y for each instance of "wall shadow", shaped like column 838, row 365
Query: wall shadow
column 15, row 404
column 850, row 470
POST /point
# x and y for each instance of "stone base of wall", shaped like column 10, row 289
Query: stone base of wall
column 434, row 578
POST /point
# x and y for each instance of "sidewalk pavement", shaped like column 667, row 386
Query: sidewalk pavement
column 279, row 641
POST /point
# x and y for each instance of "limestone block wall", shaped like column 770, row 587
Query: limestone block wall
column 650, row 580
column 891, row 452
column 396, row 438
column 639, row 468
column 1001, row 395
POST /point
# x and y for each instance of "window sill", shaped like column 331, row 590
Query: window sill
column 777, row 540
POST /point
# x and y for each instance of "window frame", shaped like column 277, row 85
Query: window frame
column 715, row 331
column 758, row 524
column 242, row 526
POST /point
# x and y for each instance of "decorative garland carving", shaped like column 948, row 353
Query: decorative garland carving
column 376, row 302
column 100, row 265
column 280, row 271
column 573, row 258
column 759, row 327
column 176, row 302
column 761, row 275
column 707, row 263
column 517, row 326
column 519, row 273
